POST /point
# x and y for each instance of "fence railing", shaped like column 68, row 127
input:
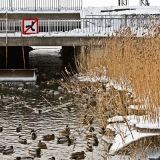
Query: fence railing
column 40, row 5
column 83, row 25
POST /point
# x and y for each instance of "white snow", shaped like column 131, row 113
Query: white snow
column 137, row 107
column 91, row 11
column 124, row 137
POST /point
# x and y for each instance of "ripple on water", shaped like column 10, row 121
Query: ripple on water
column 53, row 119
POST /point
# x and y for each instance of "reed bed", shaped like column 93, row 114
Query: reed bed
column 129, row 62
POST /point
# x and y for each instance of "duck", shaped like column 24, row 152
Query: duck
column 2, row 148
column 89, row 147
column 19, row 128
column 49, row 137
column 87, row 120
column 91, row 136
column 65, row 132
column 33, row 134
column 61, row 98
column 69, row 109
column 102, row 130
column 1, row 129
column 8, row 150
column 91, row 129
column 64, row 139
column 21, row 140
column 92, row 102
column 50, row 83
column 34, row 151
column 42, row 145
column 39, row 111
column 52, row 158
column 24, row 158
column 93, row 141
column 78, row 155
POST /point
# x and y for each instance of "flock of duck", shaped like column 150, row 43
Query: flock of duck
column 36, row 152
column 64, row 135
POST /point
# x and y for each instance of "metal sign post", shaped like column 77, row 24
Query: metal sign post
column 6, row 41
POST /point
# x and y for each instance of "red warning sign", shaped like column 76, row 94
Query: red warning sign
column 30, row 26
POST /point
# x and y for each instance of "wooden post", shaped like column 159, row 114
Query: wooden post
column 24, row 62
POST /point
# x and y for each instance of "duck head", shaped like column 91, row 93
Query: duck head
column 38, row 150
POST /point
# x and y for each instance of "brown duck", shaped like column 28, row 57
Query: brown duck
column 49, row 137
column 42, row 145
column 78, row 155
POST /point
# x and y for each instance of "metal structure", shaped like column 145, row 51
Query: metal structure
column 126, row 2
column 40, row 5
column 123, row 2
column 144, row 2
column 97, row 24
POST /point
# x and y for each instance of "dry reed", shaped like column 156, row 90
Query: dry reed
column 130, row 62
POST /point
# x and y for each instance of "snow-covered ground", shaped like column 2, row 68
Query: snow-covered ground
column 123, row 10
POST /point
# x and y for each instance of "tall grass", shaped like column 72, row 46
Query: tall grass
column 130, row 61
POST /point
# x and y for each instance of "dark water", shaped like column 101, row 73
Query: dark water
column 54, row 116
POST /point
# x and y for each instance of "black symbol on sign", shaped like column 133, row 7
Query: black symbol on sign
column 30, row 26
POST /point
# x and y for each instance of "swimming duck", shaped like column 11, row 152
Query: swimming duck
column 91, row 129
column 69, row 109
column 39, row 111
column 33, row 134
column 1, row 129
column 19, row 128
column 61, row 98
column 78, row 155
column 87, row 120
column 21, row 140
column 91, row 136
column 50, row 83
column 8, row 150
column 49, row 137
column 64, row 139
column 65, row 132
column 89, row 147
column 52, row 158
column 93, row 141
column 92, row 102
column 24, row 158
column 102, row 130
column 34, row 151
column 42, row 145
column 2, row 148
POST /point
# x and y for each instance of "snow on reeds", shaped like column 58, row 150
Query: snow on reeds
column 129, row 61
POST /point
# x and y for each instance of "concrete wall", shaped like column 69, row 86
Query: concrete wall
column 68, row 55
column 48, row 41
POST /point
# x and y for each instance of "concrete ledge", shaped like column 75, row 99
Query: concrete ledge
column 48, row 41
column 41, row 15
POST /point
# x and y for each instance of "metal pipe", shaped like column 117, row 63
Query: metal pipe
column 35, row 6
column 6, row 41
